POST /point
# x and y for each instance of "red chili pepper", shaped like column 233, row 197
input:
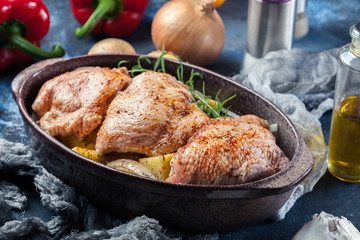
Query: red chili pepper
column 113, row 18
column 23, row 23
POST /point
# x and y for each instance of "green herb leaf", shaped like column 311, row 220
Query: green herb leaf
column 180, row 71
column 203, row 99
column 121, row 63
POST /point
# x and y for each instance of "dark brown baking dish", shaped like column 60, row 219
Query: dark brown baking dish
column 198, row 207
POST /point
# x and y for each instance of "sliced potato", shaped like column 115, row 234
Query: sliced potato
column 71, row 141
column 169, row 55
column 212, row 103
column 92, row 154
column 159, row 165
column 131, row 166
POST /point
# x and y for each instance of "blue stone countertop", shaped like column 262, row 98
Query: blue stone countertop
column 329, row 23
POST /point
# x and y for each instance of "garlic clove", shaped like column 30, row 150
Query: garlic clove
column 328, row 227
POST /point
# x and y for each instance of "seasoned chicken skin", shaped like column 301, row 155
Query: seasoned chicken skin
column 155, row 115
column 75, row 102
column 228, row 151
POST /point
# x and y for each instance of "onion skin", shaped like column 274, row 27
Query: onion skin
column 191, row 29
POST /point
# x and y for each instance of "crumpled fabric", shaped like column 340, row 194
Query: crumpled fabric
column 301, row 84
column 74, row 216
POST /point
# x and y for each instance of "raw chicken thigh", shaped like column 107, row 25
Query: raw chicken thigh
column 75, row 103
column 155, row 115
column 228, row 151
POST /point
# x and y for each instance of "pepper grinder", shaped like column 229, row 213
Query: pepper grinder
column 301, row 23
column 270, row 27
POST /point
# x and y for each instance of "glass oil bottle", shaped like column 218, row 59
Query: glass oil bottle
column 344, row 143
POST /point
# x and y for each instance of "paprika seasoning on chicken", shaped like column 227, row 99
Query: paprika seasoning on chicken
column 113, row 18
column 23, row 23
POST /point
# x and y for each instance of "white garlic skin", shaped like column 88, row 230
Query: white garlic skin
column 328, row 227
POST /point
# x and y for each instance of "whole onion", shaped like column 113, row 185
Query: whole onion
column 192, row 29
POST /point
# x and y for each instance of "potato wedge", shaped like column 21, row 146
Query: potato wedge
column 72, row 141
column 92, row 154
column 89, row 153
column 131, row 166
column 169, row 55
column 159, row 165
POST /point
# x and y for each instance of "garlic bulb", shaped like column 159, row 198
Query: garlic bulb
column 327, row 227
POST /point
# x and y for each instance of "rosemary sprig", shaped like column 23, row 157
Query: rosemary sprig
column 180, row 71
column 160, row 61
column 121, row 63
column 213, row 107
column 204, row 104
column 217, row 110
column 139, row 68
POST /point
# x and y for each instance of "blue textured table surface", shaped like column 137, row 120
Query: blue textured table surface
column 329, row 22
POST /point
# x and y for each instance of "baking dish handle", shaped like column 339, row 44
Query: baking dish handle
column 299, row 169
column 27, row 72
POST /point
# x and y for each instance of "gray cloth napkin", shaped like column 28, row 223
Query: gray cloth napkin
column 74, row 216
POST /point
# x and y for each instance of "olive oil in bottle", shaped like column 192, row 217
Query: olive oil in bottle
column 344, row 143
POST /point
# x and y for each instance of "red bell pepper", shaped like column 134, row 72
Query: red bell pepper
column 113, row 18
column 23, row 23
